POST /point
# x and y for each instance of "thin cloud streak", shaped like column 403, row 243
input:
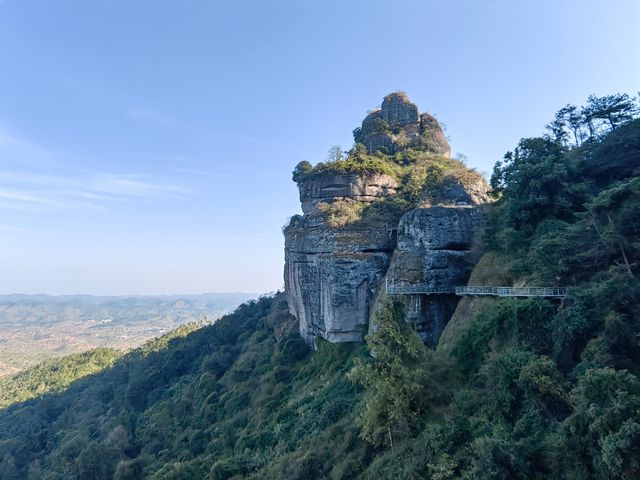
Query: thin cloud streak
column 61, row 187
column 46, row 192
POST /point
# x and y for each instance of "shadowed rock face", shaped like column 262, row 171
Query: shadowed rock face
column 398, row 125
column 433, row 250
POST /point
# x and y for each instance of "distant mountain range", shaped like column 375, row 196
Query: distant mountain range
column 35, row 327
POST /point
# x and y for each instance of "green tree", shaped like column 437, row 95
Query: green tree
column 335, row 154
column 604, row 429
column 301, row 170
column 395, row 382
column 615, row 216
column 568, row 126
column 612, row 110
column 534, row 182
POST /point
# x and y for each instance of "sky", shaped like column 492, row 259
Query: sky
column 146, row 147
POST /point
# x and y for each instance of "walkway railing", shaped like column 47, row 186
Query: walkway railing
column 426, row 289
column 556, row 292
column 417, row 289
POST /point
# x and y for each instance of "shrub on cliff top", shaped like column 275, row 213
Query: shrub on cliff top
column 357, row 162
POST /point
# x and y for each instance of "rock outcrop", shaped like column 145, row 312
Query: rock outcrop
column 433, row 252
column 330, row 187
column 331, row 277
column 336, row 273
column 398, row 125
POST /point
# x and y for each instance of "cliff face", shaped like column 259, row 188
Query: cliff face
column 331, row 273
column 336, row 273
column 433, row 252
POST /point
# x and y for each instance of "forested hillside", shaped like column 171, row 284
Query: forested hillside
column 516, row 389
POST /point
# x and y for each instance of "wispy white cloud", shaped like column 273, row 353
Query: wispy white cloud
column 37, row 192
column 33, row 178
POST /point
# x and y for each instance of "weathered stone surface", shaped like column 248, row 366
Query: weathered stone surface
column 432, row 138
column 331, row 276
column 398, row 109
column 398, row 125
column 331, row 186
column 433, row 250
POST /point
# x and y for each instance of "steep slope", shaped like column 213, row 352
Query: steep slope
column 240, row 398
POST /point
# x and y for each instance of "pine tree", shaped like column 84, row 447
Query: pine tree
column 395, row 381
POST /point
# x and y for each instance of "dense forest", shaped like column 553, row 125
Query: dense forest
column 516, row 389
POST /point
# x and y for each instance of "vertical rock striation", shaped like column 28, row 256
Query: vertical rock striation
column 332, row 273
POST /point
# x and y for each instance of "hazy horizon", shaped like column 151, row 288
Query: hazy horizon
column 147, row 147
column 174, row 294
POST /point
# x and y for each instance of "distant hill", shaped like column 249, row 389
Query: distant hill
column 37, row 327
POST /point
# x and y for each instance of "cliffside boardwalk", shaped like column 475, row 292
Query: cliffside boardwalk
column 425, row 289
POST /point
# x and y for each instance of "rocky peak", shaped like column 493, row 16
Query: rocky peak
column 398, row 109
column 399, row 125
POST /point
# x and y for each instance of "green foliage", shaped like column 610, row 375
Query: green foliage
column 358, row 161
column 301, row 171
column 54, row 375
column 396, row 383
column 422, row 179
column 342, row 212
column 601, row 115
column 212, row 402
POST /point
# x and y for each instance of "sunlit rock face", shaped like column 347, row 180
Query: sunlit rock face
column 330, row 279
column 398, row 125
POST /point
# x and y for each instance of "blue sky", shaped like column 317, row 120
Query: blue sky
column 146, row 146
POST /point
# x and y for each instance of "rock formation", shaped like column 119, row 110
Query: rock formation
column 331, row 186
column 432, row 251
column 331, row 274
column 336, row 275
column 397, row 125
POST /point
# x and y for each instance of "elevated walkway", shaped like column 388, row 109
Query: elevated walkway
column 551, row 292
column 426, row 289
